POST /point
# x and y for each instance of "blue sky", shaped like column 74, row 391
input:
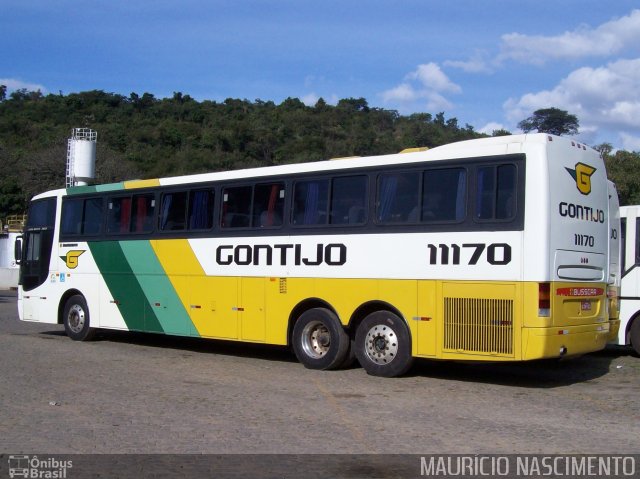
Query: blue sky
column 488, row 63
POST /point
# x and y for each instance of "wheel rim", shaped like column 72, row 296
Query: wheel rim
column 316, row 339
column 75, row 318
column 381, row 344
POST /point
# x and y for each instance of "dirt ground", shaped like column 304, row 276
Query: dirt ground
column 140, row 393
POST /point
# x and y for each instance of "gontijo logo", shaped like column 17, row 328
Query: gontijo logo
column 71, row 259
column 582, row 176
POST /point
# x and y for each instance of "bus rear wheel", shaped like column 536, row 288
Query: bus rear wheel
column 383, row 345
column 319, row 340
column 76, row 319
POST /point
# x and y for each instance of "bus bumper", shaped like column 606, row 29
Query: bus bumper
column 614, row 329
column 555, row 342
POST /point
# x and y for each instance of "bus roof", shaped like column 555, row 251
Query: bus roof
column 469, row 148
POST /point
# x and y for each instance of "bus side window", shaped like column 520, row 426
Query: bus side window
column 348, row 200
column 268, row 205
column 119, row 215
column 81, row 217
column 92, row 217
column 71, row 223
column 506, row 199
column 236, row 207
column 172, row 211
column 397, row 198
column 142, row 213
column 131, row 214
column 496, row 193
column 310, row 202
column 444, row 195
column 200, row 209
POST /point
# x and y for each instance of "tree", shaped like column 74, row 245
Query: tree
column 623, row 168
column 141, row 136
column 500, row 132
column 605, row 149
column 551, row 120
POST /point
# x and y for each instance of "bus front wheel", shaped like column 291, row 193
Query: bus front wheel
column 383, row 345
column 76, row 319
column 319, row 340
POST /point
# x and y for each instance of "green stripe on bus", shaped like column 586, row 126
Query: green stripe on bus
column 81, row 190
column 124, row 286
column 160, row 293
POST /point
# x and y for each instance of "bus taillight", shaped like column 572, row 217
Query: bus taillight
column 544, row 299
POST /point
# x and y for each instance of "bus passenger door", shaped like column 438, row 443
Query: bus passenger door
column 251, row 308
column 426, row 319
column 36, row 253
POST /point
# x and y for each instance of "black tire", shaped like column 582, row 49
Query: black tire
column 634, row 335
column 76, row 319
column 319, row 340
column 383, row 345
column 350, row 358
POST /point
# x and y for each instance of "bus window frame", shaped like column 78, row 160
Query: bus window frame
column 154, row 193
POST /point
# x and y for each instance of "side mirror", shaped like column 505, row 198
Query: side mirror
column 17, row 250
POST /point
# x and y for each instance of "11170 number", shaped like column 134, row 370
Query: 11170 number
column 494, row 253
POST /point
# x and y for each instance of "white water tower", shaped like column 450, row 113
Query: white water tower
column 81, row 156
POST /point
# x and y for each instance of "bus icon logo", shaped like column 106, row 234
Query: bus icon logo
column 18, row 466
column 582, row 176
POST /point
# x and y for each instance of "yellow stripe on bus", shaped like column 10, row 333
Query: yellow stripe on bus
column 181, row 266
column 128, row 185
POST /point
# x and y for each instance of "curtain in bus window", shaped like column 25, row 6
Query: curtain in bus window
column 311, row 213
column 400, row 198
column 172, row 211
column 310, row 202
column 386, row 194
column 164, row 210
column 271, row 206
column 268, row 203
column 142, row 214
column 125, row 214
column 200, row 209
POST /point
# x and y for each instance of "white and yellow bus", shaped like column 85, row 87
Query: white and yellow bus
column 487, row 250
column 629, row 333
